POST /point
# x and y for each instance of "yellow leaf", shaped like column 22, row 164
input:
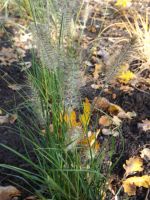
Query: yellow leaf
column 126, row 76
column 134, row 164
column 114, row 109
column 131, row 183
column 90, row 139
column 85, row 117
column 122, row 3
column 71, row 119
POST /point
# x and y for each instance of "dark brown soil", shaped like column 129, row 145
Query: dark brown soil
column 11, row 101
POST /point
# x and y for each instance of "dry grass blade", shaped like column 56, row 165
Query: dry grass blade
column 121, row 56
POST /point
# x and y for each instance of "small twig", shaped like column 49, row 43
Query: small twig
column 141, row 90
column 116, row 195
column 147, row 194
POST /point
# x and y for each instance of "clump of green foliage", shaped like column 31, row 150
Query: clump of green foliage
column 58, row 172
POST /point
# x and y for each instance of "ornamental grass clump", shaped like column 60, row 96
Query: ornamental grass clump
column 59, row 169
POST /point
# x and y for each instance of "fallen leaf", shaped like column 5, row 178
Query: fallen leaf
column 122, row 3
column 8, row 118
column 97, row 70
column 145, row 154
column 96, row 146
column 145, row 125
column 101, row 103
column 8, row 56
column 25, row 65
column 71, row 119
column 105, row 121
column 119, row 112
column 115, row 109
column 92, row 29
column 125, row 77
column 106, row 131
column 95, row 86
column 15, row 87
column 134, row 164
column 4, row 119
column 131, row 183
column 8, row 192
column 114, row 96
column 88, row 63
column 90, row 138
column 112, row 184
column 127, row 115
column 116, row 121
column 31, row 198
column 91, row 151
column 12, row 118
column 126, row 88
column 85, row 117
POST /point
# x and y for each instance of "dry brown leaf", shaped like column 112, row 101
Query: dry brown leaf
column 145, row 125
column 8, row 118
column 4, row 119
column 145, row 154
column 31, row 198
column 134, row 164
column 95, row 86
column 92, row 29
column 8, row 56
column 114, row 96
column 119, row 112
column 12, row 118
column 116, row 121
column 127, row 115
column 115, row 109
column 8, row 192
column 131, row 183
column 97, row 70
column 112, row 184
column 126, row 88
column 90, row 139
column 101, row 103
column 106, row 131
column 15, row 87
column 105, row 121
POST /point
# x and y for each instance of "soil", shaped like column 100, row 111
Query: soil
column 12, row 101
